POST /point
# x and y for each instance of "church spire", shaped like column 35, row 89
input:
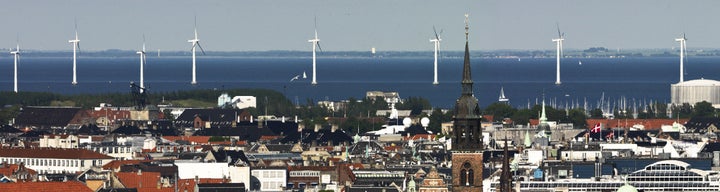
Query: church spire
column 467, row 82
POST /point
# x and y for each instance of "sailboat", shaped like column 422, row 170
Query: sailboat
column 579, row 62
column 304, row 75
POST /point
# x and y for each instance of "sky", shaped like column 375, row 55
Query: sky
column 395, row 25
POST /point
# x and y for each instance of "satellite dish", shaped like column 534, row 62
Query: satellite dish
column 407, row 121
column 425, row 122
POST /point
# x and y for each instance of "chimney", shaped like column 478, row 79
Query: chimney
column 317, row 128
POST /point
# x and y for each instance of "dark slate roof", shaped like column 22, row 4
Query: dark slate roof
column 34, row 133
column 222, row 156
column 46, row 116
column 247, row 133
column 282, row 148
column 220, row 187
column 710, row 147
column 191, row 155
column 91, row 129
column 217, row 117
column 322, row 136
column 700, row 124
column 9, row 129
column 127, row 130
column 414, row 130
column 650, row 144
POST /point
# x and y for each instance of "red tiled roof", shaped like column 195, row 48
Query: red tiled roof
column 189, row 184
column 73, row 186
column 112, row 115
column 393, row 148
column 143, row 182
column 268, row 137
column 52, row 153
column 191, row 139
column 8, row 169
column 488, row 118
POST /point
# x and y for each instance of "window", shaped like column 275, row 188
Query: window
column 463, row 177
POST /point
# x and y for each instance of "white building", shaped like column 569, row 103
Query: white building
column 59, row 141
column 239, row 102
column 272, row 177
column 189, row 169
column 47, row 160
column 118, row 152
column 694, row 91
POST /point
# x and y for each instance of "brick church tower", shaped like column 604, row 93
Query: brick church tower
column 467, row 145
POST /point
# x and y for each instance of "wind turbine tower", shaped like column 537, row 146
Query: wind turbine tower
column 436, row 41
column 683, row 52
column 16, row 54
column 76, row 46
column 558, row 42
column 143, row 60
column 195, row 43
column 316, row 45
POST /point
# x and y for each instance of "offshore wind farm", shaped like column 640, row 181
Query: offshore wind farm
column 519, row 78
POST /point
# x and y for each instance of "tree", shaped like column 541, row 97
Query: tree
column 499, row 110
column 437, row 117
column 415, row 105
column 578, row 117
column 703, row 109
column 596, row 113
column 522, row 116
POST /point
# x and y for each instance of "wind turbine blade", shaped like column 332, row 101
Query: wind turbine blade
column 318, row 44
column 201, row 49
column 558, row 29
column 436, row 34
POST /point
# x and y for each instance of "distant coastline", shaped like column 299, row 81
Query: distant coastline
column 593, row 52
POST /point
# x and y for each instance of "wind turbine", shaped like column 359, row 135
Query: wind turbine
column 683, row 52
column 143, row 60
column 436, row 41
column 316, row 45
column 76, row 46
column 558, row 42
column 195, row 43
column 16, row 54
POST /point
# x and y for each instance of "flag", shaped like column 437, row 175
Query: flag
column 596, row 129
column 611, row 135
